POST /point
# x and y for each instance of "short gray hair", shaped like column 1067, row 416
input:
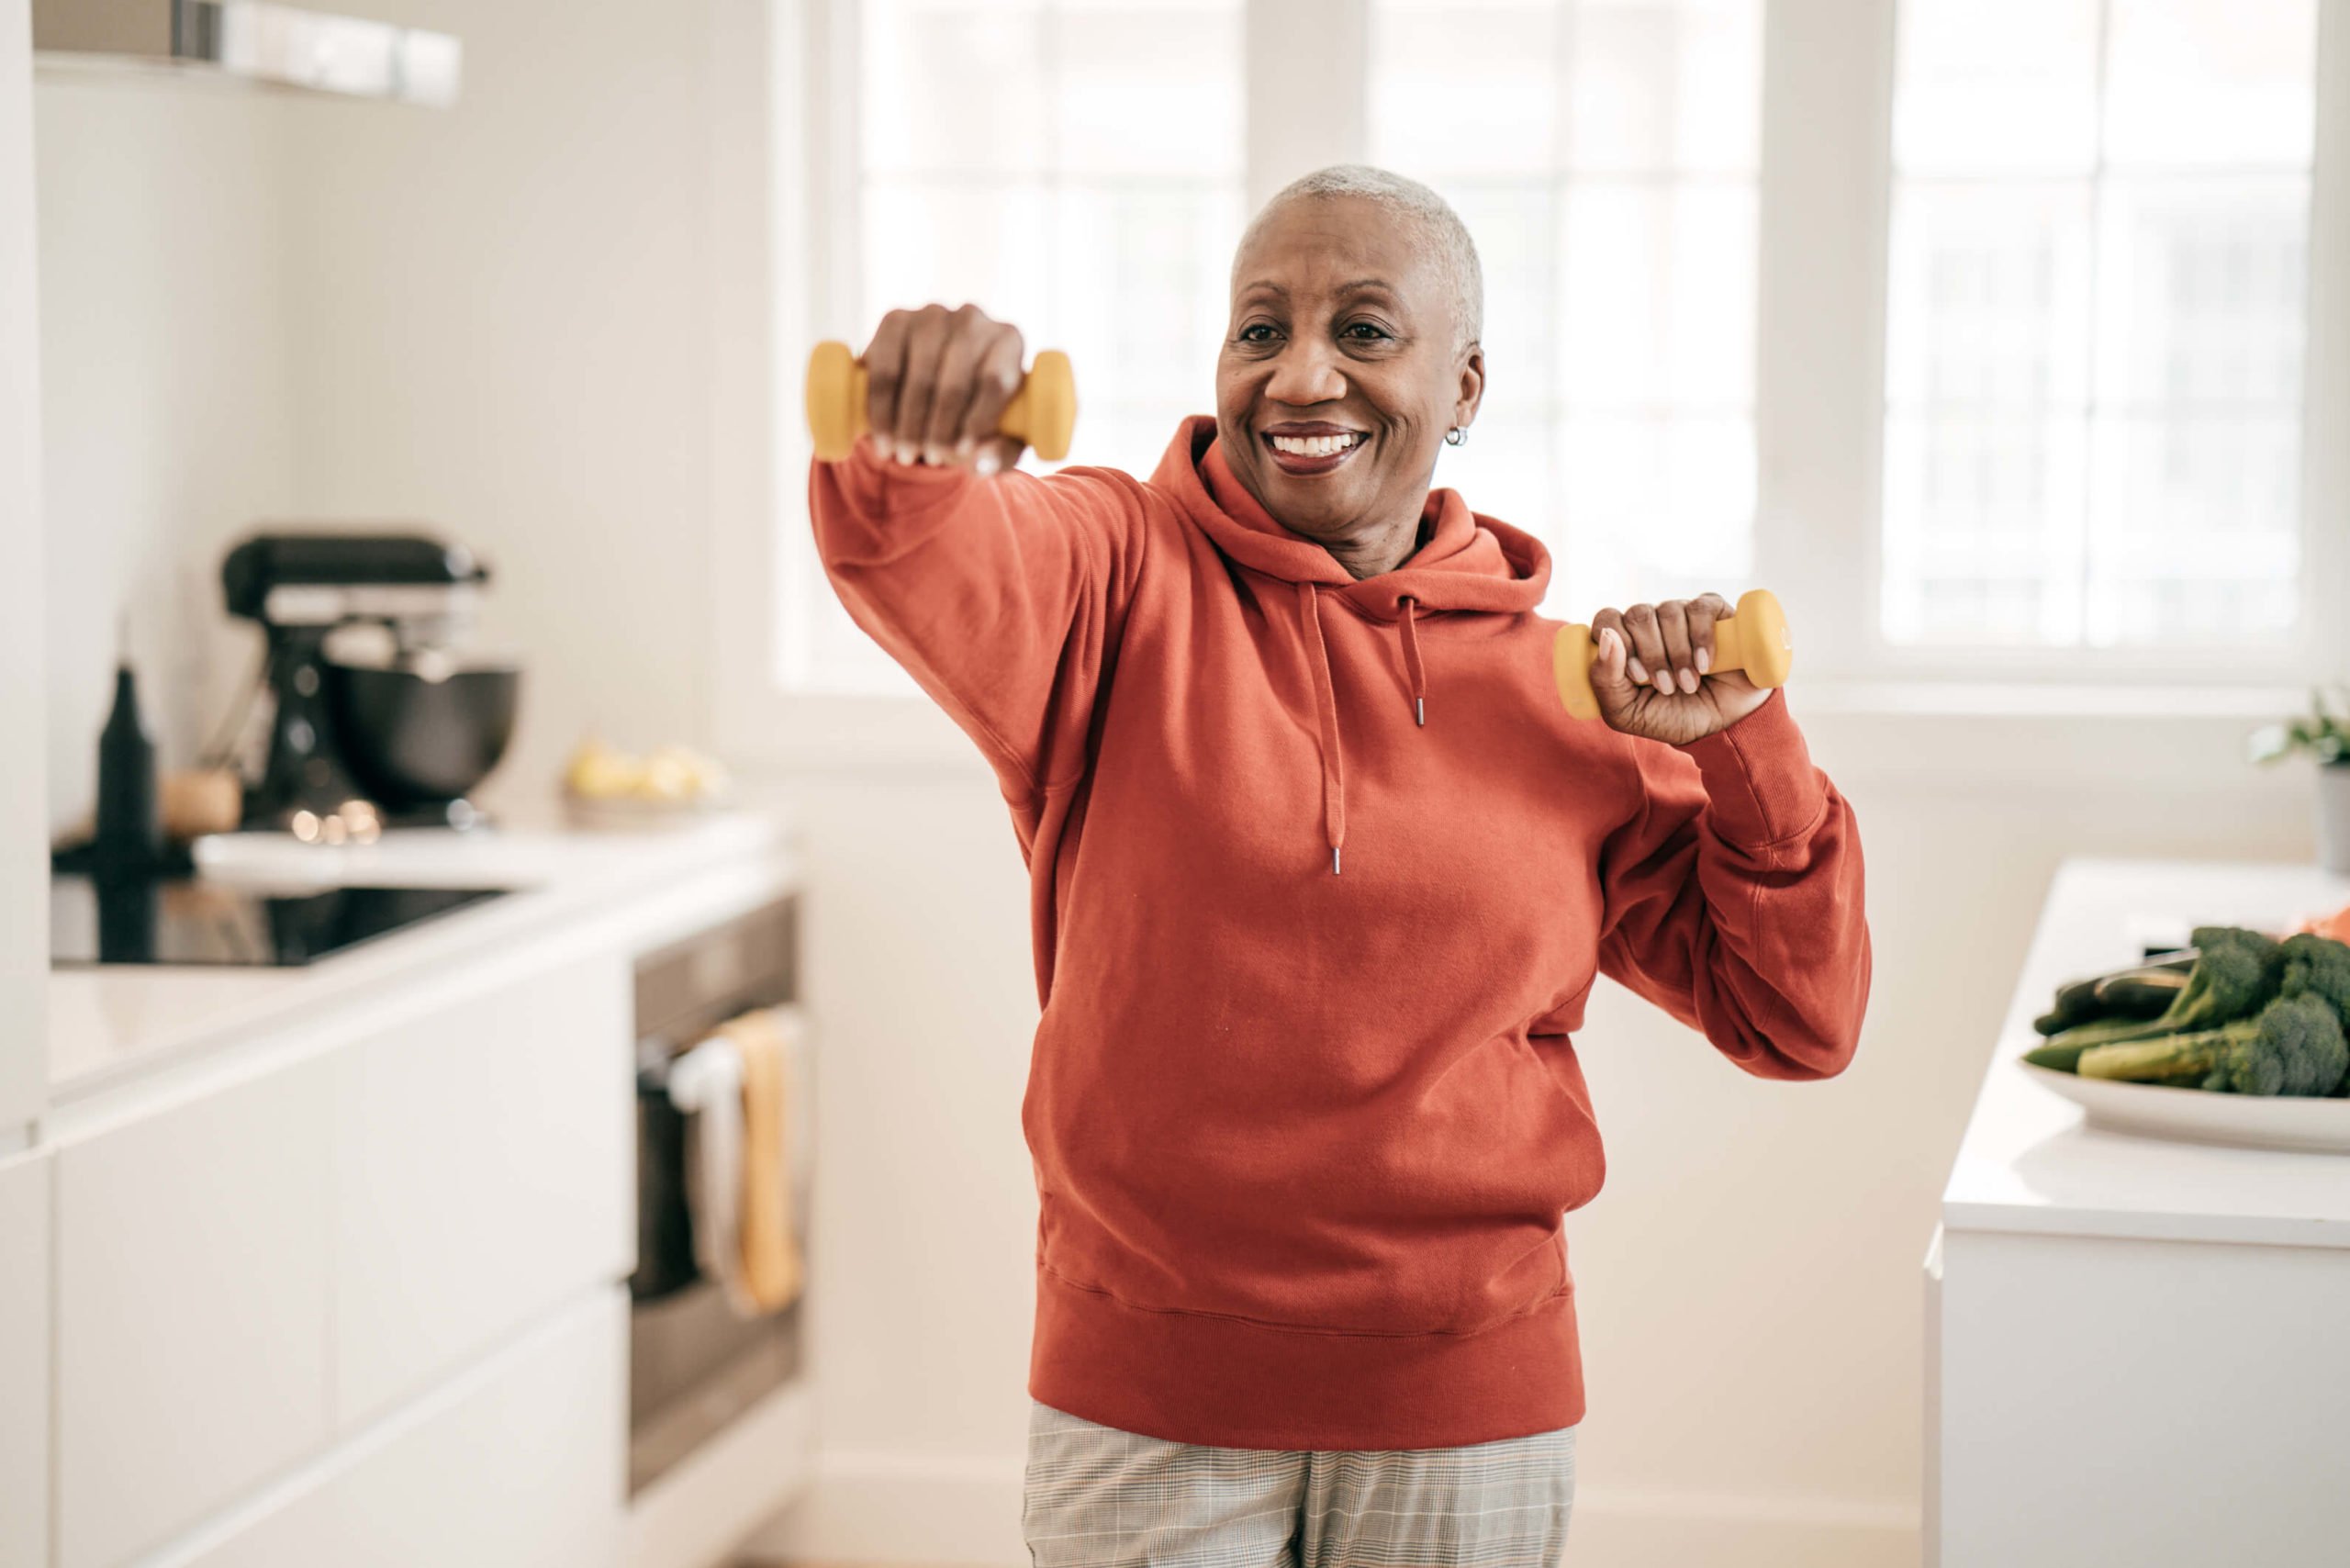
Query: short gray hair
column 1414, row 203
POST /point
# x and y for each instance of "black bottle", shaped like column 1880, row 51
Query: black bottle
column 128, row 835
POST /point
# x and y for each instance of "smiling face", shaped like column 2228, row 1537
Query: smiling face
column 1339, row 374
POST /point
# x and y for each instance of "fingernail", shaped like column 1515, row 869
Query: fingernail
column 1704, row 661
column 881, row 447
column 963, row 449
column 988, row 461
column 1665, row 681
column 1688, row 681
column 934, row 455
column 1637, row 671
column 906, row 453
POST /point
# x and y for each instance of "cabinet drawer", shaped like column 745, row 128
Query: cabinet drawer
column 519, row 1464
column 192, row 1309
column 483, row 1172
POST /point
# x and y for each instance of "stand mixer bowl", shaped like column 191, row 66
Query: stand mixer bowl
column 415, row 734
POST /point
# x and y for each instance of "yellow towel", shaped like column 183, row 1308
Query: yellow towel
column 773, row 1270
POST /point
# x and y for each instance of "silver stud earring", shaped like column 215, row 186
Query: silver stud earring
column 1455, row 436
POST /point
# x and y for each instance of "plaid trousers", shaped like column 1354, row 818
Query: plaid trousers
column 1100, row 1497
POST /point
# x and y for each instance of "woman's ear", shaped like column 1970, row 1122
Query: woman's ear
column 1472, row 385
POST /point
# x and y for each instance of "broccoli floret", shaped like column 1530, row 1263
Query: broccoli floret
column 2294, row 1047
column 2237, row 970
column 2320, row 967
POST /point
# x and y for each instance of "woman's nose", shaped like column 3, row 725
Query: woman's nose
column 1304, row 373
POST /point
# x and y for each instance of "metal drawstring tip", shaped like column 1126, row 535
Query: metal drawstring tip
column 1420, row 708
column 1334, row 861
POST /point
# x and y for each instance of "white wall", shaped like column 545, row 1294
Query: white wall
column 489, row 321
column 167, row 394
column 24, row 859
column 502, row 330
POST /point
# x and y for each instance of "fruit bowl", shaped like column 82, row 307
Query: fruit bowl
column 604, row 788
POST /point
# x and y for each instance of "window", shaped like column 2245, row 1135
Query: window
column 1604, row 159
column 2095, row 323
column 1078, row 167
column 1975, row 327
column 1073, row 167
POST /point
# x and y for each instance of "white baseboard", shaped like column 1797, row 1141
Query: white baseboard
column 936, row 1513
column 1614, row 1528
column 887, row 1509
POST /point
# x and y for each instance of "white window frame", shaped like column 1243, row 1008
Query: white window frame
column 1825, row 193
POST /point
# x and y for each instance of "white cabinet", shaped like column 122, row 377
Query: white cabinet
column 483, row 1171
column 2158, row 1403
column 520, row 1462
column 192, row 1309
column 347, row 1290
column 248, row 1277
column 24, row 1358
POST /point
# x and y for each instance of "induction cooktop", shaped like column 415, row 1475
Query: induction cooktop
column 210, row 919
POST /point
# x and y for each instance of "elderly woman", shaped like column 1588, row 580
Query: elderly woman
column 1321, row 875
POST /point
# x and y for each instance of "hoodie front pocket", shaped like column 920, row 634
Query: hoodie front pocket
column 1433, row 1207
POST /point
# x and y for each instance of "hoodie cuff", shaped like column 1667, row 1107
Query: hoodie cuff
column 1760, row 786
column 869, row 479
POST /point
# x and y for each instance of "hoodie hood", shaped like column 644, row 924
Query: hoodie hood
column 1469, row 563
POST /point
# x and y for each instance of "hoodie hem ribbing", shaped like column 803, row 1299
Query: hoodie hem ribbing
column 1223, row 1381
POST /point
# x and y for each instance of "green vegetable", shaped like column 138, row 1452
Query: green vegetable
column 2236, row 971
column 2294, row 1047
column 2140, row 991
column 2320, row 966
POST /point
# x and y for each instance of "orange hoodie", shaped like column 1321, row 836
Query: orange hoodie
column 1321, row 874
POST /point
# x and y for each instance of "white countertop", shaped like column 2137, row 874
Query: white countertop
column 635, row 888
column 2029, row 1163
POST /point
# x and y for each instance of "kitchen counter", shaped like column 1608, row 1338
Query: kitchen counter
column 590, row 888
column 2028, row 1162
column 2098, row 1303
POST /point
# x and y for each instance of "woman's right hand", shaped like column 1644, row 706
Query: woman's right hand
column 937, row 381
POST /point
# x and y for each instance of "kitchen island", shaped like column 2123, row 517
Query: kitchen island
column 2137, row 1349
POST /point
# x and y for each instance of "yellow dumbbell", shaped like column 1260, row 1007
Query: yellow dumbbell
column 1042, row 413
column 1753, row 639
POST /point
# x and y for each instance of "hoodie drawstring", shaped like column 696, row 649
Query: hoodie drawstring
column 1326, row 709
column 1412, row 660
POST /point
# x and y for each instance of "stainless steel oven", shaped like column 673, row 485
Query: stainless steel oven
column 694, row 1364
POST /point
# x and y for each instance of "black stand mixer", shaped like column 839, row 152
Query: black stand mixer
column 381, row 721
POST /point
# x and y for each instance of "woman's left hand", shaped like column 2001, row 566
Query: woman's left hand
column 1650, row 681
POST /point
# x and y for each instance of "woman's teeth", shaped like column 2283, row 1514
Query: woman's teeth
column 1316, row 446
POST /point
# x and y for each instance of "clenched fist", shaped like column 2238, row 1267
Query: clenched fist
column 1651, row 673
column 937, row 382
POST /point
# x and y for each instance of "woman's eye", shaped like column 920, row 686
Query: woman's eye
column 1253, row 327
column 1372, row 330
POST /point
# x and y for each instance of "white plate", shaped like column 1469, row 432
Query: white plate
column 2196, row 1115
